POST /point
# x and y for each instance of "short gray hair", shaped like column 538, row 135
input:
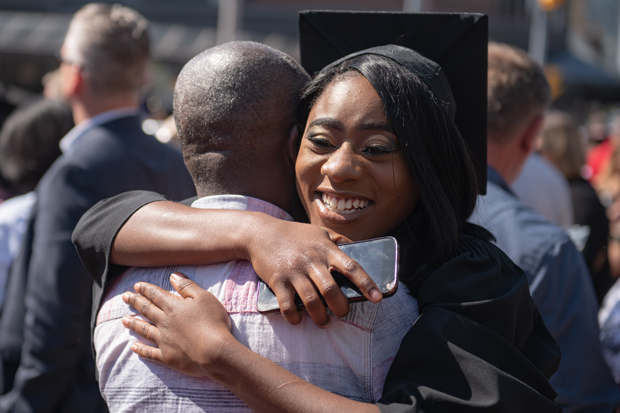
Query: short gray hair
column 517, row 87
column 112, row 45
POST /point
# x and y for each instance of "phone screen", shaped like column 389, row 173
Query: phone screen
column 378, row 257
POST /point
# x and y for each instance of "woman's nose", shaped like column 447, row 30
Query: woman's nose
column 342, row 165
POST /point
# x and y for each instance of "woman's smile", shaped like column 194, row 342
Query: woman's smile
column 340, row 208
column 352, row 176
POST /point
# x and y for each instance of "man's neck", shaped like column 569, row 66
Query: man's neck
column 507, row 160
column 86, row 109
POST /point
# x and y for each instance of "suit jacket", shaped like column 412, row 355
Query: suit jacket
column 57, row 371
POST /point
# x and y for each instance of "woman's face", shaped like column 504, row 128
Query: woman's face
column 352, row 176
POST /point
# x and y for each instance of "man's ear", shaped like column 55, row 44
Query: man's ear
column 528, row 140
column 292, row 143
column 75, row 82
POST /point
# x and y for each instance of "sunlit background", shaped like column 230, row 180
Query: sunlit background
column 578, row 41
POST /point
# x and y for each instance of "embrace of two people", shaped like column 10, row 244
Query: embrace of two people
column 373, row 145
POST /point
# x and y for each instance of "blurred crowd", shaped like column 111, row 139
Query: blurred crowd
column 571, row 176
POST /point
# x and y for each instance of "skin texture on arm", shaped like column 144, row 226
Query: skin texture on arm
column 290, row 257
column 260, row 383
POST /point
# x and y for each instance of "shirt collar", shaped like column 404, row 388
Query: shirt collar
column 494, row 177
column 71, row 139
column 240, row 202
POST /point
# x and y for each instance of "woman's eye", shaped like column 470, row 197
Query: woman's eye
column 378, row 149
column 319, row 142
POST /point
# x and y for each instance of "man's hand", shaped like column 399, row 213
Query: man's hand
column 178, row 323
column 292, row 258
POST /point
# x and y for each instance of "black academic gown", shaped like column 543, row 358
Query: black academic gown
column 479, row 344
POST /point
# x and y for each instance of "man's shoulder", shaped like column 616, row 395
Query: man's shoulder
column 119, row 138
column 209, row 277
column 117, row 153
column 501, row 207
column 524, row 235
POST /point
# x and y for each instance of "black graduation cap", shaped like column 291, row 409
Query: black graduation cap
column 456, row 42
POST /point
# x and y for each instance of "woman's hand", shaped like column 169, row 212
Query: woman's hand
column 193, row 336
column 292, row 258
column 190, row 331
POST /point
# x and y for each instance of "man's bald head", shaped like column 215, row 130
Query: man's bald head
column 234, row 106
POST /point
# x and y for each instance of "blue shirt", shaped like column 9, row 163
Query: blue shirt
column 562, row 290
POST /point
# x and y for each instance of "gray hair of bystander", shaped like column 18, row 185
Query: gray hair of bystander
column 111, row 44
column 517, row 90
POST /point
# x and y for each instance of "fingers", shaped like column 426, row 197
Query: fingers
column 156, row 295
column 348, row 267
column 312, row 301
column 142, row 328
column 148, row 352
column 331, row 292
column 285, row 293
column 311, row 298
column 184, row 286
column 336, row 237
column 144, row 306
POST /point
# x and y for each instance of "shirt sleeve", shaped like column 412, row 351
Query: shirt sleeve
column 96, row 230
column 479, row 344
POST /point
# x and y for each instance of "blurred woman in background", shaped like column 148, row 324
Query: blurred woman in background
column 562, row 145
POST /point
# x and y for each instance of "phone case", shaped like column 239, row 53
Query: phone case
column 267, row 303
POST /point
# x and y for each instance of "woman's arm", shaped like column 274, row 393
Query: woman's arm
column 478, row 345
column 144, row 229
column 260, row 383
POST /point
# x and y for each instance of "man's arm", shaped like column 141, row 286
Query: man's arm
column 563, row 292
column 290, row 257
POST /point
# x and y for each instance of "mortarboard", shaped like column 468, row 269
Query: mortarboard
column 454, row 44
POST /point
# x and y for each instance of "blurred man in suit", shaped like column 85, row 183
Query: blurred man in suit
column 103, row 58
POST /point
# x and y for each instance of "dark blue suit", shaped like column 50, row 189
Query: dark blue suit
column 57, row 371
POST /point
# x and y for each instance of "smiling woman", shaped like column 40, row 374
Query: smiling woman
column 352, row 174
column 377, row 135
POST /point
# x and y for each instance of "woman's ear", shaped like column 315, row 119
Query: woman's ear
column 292, row 143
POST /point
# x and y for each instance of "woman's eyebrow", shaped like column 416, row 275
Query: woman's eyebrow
column 327, row 123
column 374, row 125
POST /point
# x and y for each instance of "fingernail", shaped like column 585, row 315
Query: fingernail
column 329, row 321
column 134, row 347
column 375, row 295
column 126, row 321
column 176, row 276
column 136, row 286
column 126, row 297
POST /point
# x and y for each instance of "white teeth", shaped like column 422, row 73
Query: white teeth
column 343, row 206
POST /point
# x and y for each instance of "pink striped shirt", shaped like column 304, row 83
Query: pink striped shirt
column 350, row 358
